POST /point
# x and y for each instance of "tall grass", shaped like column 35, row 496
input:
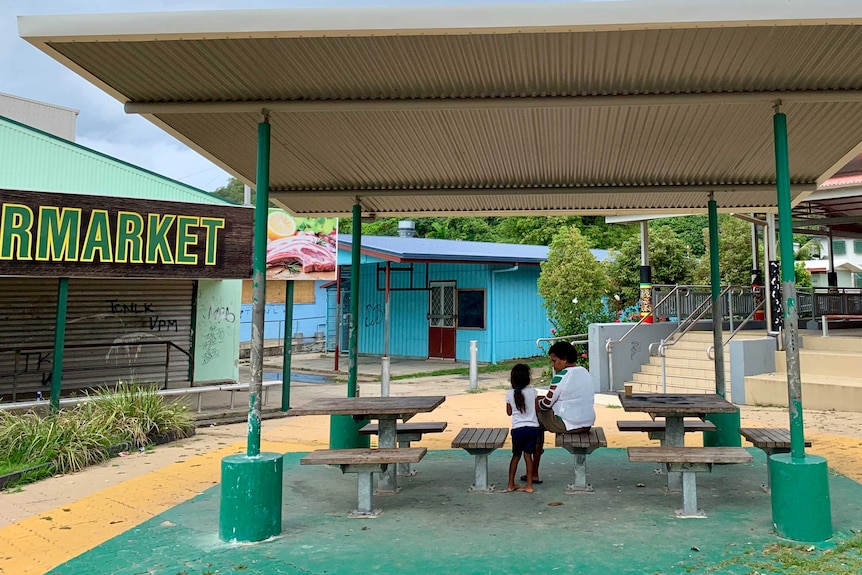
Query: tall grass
column 83, row 435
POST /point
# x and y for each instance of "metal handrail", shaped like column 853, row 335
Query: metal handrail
column 686, row 325
column 577, row 339
column 167, row 343
column 610, row 344
column 711, row 349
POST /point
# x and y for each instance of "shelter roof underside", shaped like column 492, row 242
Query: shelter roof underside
column 560, row 113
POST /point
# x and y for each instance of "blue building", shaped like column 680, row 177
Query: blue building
column 442, row 295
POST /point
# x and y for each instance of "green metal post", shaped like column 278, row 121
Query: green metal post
column 344, row 429
column 258, row 302
column 355, row 262
column 59, row 342
column 801, row 508
column 788, row 287
column 251, row 490
column 288, row 346
column 726, row 432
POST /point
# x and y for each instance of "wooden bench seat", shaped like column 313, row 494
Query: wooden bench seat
column 771, row 440
column 406, row 433
column 656, row 429
column 480, row 442
column 364, row 463
column 689, row 461
column 580, row 445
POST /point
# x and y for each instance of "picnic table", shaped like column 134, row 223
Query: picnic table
column 386, row 410
column 675, row 407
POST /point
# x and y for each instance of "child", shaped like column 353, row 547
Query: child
column 521, row 405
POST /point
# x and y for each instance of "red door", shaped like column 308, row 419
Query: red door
column 441, row 320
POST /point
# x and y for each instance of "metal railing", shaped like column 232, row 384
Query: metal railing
column 577, row 339
column 711, row 349
column 21, row 362
column 610, row 344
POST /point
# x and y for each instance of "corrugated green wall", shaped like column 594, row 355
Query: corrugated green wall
column 37, row 161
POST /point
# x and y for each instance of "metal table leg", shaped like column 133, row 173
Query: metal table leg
column 386, row 437
column 674, row 436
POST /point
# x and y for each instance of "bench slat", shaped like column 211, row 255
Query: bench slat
column 412, row 427
column 769, row 437
column 363, row 456
column 690, row 454
column 480, row 438
column 593, row 438
column 692, row 425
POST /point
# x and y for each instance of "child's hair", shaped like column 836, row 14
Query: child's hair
column 520, row 378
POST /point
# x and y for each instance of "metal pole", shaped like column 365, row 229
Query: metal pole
column 355, row 252
column 288, row 346
column 645, row 276
column 338, row 315
column 788, row 286
column 59, row 342
column 474, row 364
column 715, row 290
column 384, row 379
column 831, row 276
column 258, row 303
column 768, row 255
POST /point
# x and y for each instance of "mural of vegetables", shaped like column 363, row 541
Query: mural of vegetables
column 300, row 248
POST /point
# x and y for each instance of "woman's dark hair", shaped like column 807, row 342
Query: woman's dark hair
column 520, row 378
column 564, row 350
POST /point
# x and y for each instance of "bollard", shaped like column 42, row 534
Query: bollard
column 384, row 377
column 474, row 364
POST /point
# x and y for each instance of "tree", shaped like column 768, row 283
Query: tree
column 572, row 283
column 669, row 257
column 734, row 253
column 233, row 191
column 689, row 229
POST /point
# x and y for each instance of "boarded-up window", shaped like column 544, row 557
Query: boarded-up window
column 303, row 291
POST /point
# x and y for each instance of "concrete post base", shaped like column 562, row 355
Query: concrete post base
column 800, row 497
column 726, row 432
column 344, row 433
column 251, row 489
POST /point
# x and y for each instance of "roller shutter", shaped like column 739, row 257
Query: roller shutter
column 116, row 330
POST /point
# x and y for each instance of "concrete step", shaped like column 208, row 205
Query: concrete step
column 676, row 387
column 837, row 343
column 655, row 378
column 684, row 371
column 823, row 363
column 818, row 392
column 693, row 363
column 706, row 336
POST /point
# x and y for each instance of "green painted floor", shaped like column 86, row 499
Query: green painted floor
column 435, row 526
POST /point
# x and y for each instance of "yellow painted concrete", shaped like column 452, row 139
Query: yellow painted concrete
column 44, row 541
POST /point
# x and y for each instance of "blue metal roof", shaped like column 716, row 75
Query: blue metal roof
column 396, row 248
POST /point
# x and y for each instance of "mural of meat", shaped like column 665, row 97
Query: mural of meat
column 312, row 253
column 300, row 248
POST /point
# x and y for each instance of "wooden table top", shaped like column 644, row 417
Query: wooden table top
column 677, row 404
column 370, row 406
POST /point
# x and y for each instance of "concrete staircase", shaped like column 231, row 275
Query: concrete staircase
column 687, row 367
column 831, row 373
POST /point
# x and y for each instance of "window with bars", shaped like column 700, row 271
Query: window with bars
column 471, row 309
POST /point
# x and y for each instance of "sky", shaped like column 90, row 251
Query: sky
column 102, row 124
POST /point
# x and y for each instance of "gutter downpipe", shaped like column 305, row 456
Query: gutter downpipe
column 493, row 333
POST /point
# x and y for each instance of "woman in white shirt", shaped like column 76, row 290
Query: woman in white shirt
column 521, row 405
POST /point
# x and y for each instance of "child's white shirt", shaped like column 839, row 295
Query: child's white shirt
column 528, row 417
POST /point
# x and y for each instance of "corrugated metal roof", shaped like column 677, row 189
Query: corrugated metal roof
column 612, row 108
column 57, row 120
column 396, row 248
column 37, row 161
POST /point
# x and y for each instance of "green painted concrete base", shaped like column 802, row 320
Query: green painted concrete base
column 726, row 432
column 344, row 432
column 801, row 508
column 250, row 505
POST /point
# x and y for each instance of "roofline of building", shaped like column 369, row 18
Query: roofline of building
column 423, row 20
column 117, row 160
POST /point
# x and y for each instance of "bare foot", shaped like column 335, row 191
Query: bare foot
column 512, row 488
column 525, row 489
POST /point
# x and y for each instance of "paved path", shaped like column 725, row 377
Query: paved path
column 48, row 523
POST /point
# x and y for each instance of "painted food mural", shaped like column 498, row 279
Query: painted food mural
column 300, row 248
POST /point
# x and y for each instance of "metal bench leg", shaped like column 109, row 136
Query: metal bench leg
column 405, row 469
column 689, row 497
column 364, row 488
column 386, row 437
column 580, row 470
